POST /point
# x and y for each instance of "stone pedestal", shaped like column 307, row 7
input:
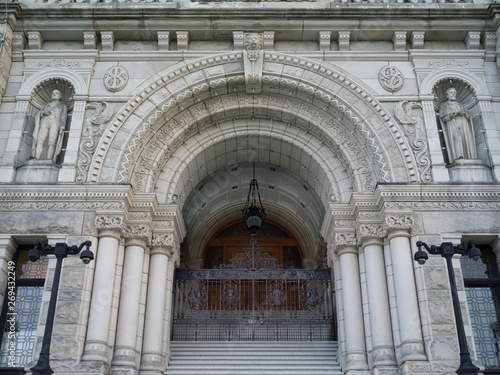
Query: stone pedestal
column 469, row 170
column 38, row 170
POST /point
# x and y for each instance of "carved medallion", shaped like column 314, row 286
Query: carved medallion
column 390, row 78
column 116, row 78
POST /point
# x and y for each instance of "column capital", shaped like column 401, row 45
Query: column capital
column 139, row 234
column 344, row 241
column 371, row 233
column 399, row 224
column 109, row 225
column 164, row 243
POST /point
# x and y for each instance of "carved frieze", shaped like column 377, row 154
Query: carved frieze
column 163, row 239
column 345, row 239
column 371, row 231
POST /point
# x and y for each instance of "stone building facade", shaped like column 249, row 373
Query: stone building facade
column 344, row 108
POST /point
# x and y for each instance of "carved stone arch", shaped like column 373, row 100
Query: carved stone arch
column 79, row 84
column 175, row 90
column 477, row 84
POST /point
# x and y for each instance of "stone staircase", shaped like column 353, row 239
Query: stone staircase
column 253, row 358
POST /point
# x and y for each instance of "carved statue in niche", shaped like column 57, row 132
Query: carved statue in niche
column 50, row 123
column 457, row 128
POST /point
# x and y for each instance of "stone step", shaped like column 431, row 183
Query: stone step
column 253, row 358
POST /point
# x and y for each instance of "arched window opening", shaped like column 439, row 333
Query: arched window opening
column 482, row 287
column 230, row 240
column 20, row 310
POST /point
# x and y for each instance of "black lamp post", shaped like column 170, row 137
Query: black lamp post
column 61, row 251
column 447, row 250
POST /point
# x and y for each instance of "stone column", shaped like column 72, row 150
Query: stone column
column 412, row 346
column 382, row 353
column 8, row 248
column 18, row 147
column 173, row 263
column 152, row 361
column 96, row 346
column 126, row 354
column 355, row 347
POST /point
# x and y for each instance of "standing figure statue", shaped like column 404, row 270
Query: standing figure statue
column 50, row 123
column 457, row 128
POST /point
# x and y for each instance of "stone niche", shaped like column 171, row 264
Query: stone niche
column 43, row 169
column 463, row 169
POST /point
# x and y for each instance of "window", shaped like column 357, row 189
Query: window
column 20, row 324
column 482, row 287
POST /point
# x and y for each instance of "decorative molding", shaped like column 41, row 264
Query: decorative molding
column 324, row 39
column 107, row 40
column 399, row 40
column 252, row 63
column 473, row 40
column 343, row 40
column 413, row 125
column 182, row 40
column 163, row 40
column 116, row 78
column 391, row 78
column 64, row 205
column 89, row 40
column 448, row 63
column 461, row 206
column 18, row 41
column 162, row 224
column 417, row 39
column 35, row 40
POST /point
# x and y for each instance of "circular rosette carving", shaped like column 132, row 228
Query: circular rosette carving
column 116, row 78
column 276, row 295
column 230, row 296
column 309, row 296
column 391, row 78
column 198, row 296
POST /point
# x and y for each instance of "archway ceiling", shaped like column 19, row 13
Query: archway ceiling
column 219, row 198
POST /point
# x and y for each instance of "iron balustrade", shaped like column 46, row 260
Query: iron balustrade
column 253, row 305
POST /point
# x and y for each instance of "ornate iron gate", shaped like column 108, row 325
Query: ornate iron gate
column 253, row 299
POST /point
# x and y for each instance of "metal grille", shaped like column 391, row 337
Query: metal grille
column 253, row 299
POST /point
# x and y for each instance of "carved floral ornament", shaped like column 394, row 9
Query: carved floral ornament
column 371, row 231
column 171, row 103
column 138, row 232
column 391, row 78
column 109, row 222
column 399, row 222
column 345, row 239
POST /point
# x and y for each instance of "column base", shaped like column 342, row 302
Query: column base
column 416, row 368
column 385, row 370
column 356, row 361
column 96, row 351
column 123, row 371
column 69, row 368
column 383, row 356
column 124, row 356
column 413, row 351
column 151, row 363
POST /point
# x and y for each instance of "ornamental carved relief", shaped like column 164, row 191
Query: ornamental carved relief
column 413, row 125
column 94, row 127
column 163, row 239
column 399, row 221
column 108, row 222
column 371, row 231
column 391, row 78
column 345, row 239
column 115, row 78
column 138, row 231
